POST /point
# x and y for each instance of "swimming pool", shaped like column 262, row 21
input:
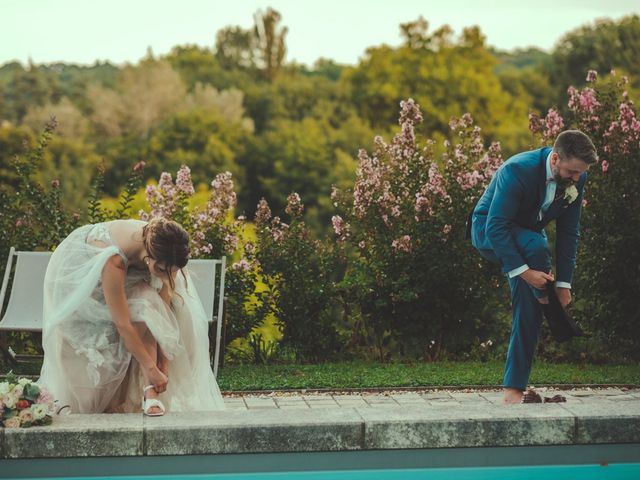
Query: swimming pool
column 584, row 462
column 583, row 472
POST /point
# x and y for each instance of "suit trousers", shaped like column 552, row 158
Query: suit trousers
column 526, row 309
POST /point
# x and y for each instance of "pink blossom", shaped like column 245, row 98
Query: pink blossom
column 605, row 166
column 536, row 124
column 553, row 124
column 340, row 227
column 143, row 215
column 468, row 180
column 583, row 101
column 277, row 235
column 263, row 212
column 183, row 181
column 402, row 244
column 294, row 205
column 242, row 265
column 165, row 180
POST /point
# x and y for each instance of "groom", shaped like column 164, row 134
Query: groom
column 528, row 191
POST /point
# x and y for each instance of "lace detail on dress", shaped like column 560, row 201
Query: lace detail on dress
column 101, row 233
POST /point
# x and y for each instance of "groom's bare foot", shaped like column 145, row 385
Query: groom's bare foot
column 512, row 396
column 151, row 393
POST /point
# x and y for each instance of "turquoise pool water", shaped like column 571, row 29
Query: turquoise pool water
column 630, row 471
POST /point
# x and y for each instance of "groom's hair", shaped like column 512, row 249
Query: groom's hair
column 575, row 144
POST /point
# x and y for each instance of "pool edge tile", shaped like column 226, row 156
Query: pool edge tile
column 78, row 436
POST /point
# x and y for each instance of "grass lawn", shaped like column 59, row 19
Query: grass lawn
column 373, row 375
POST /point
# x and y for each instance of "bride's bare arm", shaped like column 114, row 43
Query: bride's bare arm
column 113, row 278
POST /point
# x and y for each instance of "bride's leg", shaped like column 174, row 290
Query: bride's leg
column 152, row 347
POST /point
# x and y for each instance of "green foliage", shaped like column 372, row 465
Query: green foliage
column 302, row 271
column 390, row 375
column 602, row 46
column 446, row 76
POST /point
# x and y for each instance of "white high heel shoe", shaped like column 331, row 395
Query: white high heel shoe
column 148, row 403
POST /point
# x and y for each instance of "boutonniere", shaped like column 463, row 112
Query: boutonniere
column 570, row 194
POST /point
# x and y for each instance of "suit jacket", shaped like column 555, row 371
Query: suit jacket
column 514, row 198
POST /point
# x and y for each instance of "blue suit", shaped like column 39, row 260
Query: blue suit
column 506, row 228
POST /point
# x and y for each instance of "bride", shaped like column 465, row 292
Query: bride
column 123, row 322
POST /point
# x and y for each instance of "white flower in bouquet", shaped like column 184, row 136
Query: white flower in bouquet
column 13, row 422
column 4, row 388
column 570, row 194
column 24, row 381
column 10, row 400
column 17, row 390
column 39, row 411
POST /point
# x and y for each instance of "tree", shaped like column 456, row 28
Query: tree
column 602, row 46
column 236, row 48
column 202, row 139
column 71, row 122
column 270, row 40
column 446, row 76
column 145, row 95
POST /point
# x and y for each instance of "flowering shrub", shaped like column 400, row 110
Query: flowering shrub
column 301, row 271
column 608, row 273
column 33, row 217
column 419, row 285
column 212, row 236
column 24, row 403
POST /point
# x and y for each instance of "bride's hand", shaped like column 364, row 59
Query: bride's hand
column 157, row 378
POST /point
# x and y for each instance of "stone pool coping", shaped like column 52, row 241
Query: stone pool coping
column 289, row 423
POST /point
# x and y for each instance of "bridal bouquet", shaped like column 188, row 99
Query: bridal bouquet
column 24, row 403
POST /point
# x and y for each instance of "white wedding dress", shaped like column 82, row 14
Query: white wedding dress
column 86, row 364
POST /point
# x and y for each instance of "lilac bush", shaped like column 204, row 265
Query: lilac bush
column 418, row 284
column 608, row 272
column 301, row 271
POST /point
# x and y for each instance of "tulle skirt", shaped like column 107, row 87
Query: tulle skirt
column 86, row 364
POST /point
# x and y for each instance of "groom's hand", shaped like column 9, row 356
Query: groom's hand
column 564, row 296
column 536, row 278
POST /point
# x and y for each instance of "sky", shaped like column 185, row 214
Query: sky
column 121, row 31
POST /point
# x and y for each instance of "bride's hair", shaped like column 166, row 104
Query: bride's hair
column 168, row 244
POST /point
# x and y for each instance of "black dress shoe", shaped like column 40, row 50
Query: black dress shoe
column 562, row 326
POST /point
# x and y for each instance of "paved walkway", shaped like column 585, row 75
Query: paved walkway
column 394, row 398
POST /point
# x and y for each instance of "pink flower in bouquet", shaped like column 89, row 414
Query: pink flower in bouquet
column 26, row 416
column 45, row 398
column 13, row 422
column 22, row 404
